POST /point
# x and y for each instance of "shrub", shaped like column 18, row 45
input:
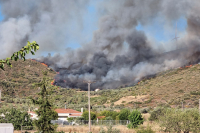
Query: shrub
column 124, row 113
column 70, row 119
column 176, row 120
column 135, row 119
column 147, row 130
column 16, row 117
column 195, row 93
column 61, row 132
column 156, row 113
column 85, row 115
column 109, row 130
column 107, row 113
column 144, row 111
column 108, row 118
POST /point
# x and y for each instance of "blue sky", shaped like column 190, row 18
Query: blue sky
column 1, row 15
column 89, row 25
column 157, row 29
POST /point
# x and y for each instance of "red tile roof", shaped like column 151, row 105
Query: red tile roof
column 69, row 111
column 31, row 112
column 100, row 117
column 75, row 114
column 66, row 111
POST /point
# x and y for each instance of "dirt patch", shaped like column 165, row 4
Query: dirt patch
column 128, row 99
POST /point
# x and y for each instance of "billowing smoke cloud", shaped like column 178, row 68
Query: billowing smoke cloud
column 48, row 22
column 118, row 54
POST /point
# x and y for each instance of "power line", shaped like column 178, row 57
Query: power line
column 176, row 37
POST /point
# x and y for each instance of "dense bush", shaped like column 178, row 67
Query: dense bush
column 135, row 119
column 145, row 110
column 156, row 113
column 124, row 113
column 16, row 117
column 85, row 115
column 107, row 113
column 176, row 120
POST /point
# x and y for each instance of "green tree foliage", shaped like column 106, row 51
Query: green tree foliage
column 46, row 111
column 176, row 120
column 85, row 115
column 135, row 119
column 109, row 130
column 70, row 119
column 147, row 130
column 107, row 113
column 30, row 47
column 16, row 117
column 124, row 113
column 156, row 113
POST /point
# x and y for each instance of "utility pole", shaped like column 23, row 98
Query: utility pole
column 0, row 95
column 89, row 83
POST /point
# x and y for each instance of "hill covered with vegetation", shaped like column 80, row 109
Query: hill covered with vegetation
column 169, row 88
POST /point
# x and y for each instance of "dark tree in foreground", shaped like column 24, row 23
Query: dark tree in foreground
column 16, row 117
column 46, row 112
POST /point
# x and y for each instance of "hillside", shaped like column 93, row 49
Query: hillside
column 169, row 88
column 18, row 80
column 173, row 86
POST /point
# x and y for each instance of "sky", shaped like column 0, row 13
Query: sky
column 156, row 30
column 89, row 25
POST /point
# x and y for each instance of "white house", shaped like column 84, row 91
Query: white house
column 33, row 114
column 97, row 90
column 63, row 114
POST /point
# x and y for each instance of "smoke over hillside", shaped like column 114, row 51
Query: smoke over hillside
column 118, row 54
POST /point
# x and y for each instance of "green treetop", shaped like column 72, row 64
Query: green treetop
column 46, row 112
column 30, row 47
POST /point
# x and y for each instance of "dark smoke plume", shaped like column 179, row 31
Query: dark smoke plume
column 118, row 54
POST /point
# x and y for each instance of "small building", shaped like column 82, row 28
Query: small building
column 33, row 114
column 97, row 90
column 6, row 128
column 63, row 113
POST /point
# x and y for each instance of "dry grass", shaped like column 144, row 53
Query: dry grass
column 172, row 86
column 84, row 129
column 131, row 99
column 94, row 129
column 22, row 75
